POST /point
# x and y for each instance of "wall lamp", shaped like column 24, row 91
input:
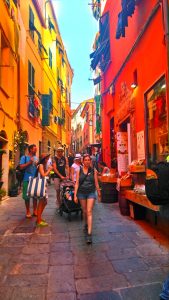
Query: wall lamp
column 133, row 85
column 135, row 81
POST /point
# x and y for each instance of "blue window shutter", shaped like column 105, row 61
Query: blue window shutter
column 45, row 110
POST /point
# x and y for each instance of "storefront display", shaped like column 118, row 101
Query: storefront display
column 157, row 132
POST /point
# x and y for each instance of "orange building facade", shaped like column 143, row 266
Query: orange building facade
column 134, row 84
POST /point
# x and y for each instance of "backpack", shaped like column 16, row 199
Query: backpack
column 20, row 172
column 157, row 189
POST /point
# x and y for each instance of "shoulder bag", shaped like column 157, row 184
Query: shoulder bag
column 37, row 187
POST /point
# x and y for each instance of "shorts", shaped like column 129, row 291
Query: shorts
column 82, row 196
column 57, row 182
column 24, row 191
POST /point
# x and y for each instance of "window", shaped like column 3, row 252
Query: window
column 104, row 41
column 31, row 23
column 31, row 79
column 8, row 3
column 63, row 62
column 15, row 2
column 156, row 121
column 50, row 58
column 49, row 146
column 101, row 55
column 51, row 101
column 40, row 44
column 5, row 69
column 31, row 90
column 63, row 113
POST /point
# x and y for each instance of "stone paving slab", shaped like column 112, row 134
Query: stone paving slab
column 26, row 280
column 101, row 283
column 128, row 260
column 62, row 296
column 145, row 277
column 93, row 270
column 6, row 293
column 61, row 258
column 28, row 269
column 101, row 296
column 61, row 279
column 117, row 253
column 146, row 292
column 29, row 294
column 129, row 265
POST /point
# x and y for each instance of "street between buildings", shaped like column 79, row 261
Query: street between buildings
column 128, row 260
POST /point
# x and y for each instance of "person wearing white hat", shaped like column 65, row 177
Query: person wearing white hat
column 61, row 171
column 75, row 167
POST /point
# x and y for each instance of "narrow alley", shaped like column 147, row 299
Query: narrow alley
column 127, row 261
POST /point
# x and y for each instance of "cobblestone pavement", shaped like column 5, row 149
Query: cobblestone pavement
column 128, row 260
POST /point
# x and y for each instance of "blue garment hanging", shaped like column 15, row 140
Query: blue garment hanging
column 165, row 290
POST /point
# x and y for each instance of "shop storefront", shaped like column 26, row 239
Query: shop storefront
column 156, row 123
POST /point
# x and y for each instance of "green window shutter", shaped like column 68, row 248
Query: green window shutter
column 45, row 110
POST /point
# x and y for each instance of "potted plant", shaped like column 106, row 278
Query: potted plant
column 13, row 190
column 2, row 151
column 2, row 193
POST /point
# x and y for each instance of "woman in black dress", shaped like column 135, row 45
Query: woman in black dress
column 85, row 191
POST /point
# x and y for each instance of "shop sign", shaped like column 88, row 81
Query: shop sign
column 122, row 152
column 140, row 145
column 126, row 103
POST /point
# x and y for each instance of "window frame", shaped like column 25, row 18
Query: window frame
column 50, row 58
column 31, row 79
column 31, row 21
column 153, row 158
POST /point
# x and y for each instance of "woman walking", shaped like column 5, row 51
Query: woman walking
column 42, row 172
column 75, row 167
column 85, row 191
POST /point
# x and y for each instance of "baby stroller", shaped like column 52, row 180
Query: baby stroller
column 67, row 197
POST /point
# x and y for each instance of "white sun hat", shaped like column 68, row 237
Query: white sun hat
column 78, row 156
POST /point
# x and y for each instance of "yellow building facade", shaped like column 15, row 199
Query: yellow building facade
column 57, row 82
column 8, row 85
column 35, row 82
column 31, row 24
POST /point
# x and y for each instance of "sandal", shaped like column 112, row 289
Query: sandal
column 28, row 216
column 42, row 224
column 89, row 239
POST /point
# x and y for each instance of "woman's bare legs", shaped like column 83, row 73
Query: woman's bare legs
column 83, row 203
column 90, row 205
column 41, row 205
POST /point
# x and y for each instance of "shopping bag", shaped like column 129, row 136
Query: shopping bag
column 36, row 187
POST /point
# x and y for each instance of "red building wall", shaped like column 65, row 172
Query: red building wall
column 149, row 58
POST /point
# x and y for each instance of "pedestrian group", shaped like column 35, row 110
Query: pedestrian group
column 81, row 170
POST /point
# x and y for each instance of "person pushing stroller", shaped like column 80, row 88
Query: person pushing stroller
column 61, row 172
